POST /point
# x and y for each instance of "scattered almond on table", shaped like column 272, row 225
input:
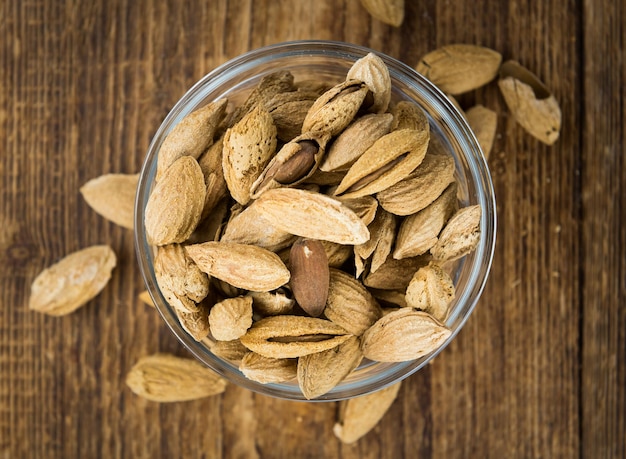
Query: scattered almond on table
column 113, row 197
column 533, row 106
column 388, row 11
column 359, row 415
column 167, row 378
column 71, row 282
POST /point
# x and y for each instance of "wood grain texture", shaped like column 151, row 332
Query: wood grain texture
column 539, row 369
column 603, row 236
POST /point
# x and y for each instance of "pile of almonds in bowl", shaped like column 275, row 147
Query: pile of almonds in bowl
column 309, row 227
column 306, row 230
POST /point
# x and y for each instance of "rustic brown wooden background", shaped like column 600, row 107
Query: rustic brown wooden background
column 540, row 368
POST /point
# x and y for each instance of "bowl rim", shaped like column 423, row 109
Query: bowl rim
column 196, row 95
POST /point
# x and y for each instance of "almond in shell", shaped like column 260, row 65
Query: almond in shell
column 284, row 337
column 250, row 227
column 233, row 350
column 365, row 207
column 195, row 323
column 533, row 106
column 181, row 282
column 315, row 85
column 359, row 415
column 460, row 236
column 231, row 318
column 353, row 141
column 71, row 282
column 175, row 205
column 312, row 215
column 322, row 178
column 337, row 254
column 403, row 335
column 296, row 161
column 167, row 378
column 349, row 303
column 372, row 71
column 191, row 136
column 388, row 11
column 336, row 108
column 390, row 159
column 248, row 147
column 390, row 297
column 266, row 370
column 320, row 372
column 383, row 232
column 113, row 197
column 419, row 232
column 483, row 122
column 241, row 265
column 420, row 188
column 216, row 189
column 211, row 227
column 431, row 290
column 459, row 68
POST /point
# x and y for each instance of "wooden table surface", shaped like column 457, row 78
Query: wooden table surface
column 538, row 371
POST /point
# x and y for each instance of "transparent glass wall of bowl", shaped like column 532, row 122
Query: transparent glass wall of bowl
column 330, row 61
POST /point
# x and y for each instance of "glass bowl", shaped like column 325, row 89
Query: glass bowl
column 330, row 61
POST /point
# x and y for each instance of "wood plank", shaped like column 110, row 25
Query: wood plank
column 603, row 236
column 508, row 386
